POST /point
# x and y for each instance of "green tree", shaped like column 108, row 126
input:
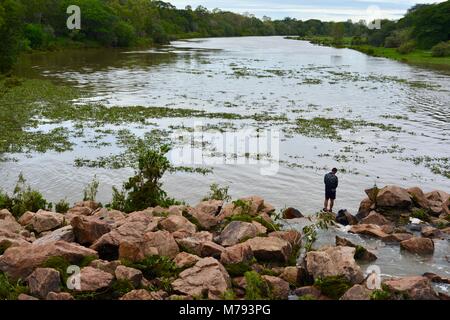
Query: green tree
column 11, row 24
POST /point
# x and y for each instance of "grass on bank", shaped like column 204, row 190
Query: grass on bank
column 416, row 57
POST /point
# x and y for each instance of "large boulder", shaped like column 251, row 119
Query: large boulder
column 240, row 253
column 236, row 231
column 87, row 230
column 43, row 281
column 357, row 292
column 192, row 243
column 207, row 278
column 292, row 236
column 205, row 219
column 175, row 223
column 375, row 218
column 132, row 230
column 8, row 223
column 418, row 197
column 112, row 217
column 209, row 207
column 211, row 249
column 270, row 248
column 92, row 279
column 19, row 262
column 61, row 234
column 414, row 288
column 334, row 261
column 46, row 220
column 393, row 197
column 163, row 242
column 417, row 245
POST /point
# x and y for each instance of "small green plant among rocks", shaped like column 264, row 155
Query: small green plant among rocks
column 324, row 221
column 380, row 294
column 10, row 290
column 333, row 287
column 62, row 206
column 257, row 288
column 144, row 190
column 218, row 193
column 91, row 190
column 23, row 199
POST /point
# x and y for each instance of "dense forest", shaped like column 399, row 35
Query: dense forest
column 27, row 25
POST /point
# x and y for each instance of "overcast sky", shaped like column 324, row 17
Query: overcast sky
column 326, row 10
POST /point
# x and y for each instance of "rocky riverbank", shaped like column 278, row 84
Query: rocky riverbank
column 217, row 250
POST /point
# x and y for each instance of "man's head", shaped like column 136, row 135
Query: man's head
column 334, row 170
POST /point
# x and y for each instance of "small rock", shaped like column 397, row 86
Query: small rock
column 61, row 296
column 26, row 297
column 142, row 294
column 308, row 291
column 61, row 234
column 42, row 281
column 236, row 231
column 92, row 279
column 186, row 260
column 240, row 253
column 368, row 229
column 88, row 229
column 291, row 213
column 279, row 287
column 346, row 218
column 270, row 248
column 130, row 274
column 291, row 275
column 46, row 220
column 361, row 253
column 415, row 288
column 431, row 232
column 207, row 278
column 365, row 208
column 292, row 236
column 397, row 237
column 211, row 249
column 375, row 218
column 435, row 278
column 418, row 197
column 357, row 292
column 175, row 223
column 107, row 266
column 334, row 261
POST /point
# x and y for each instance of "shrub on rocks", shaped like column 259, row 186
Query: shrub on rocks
column 333, row 287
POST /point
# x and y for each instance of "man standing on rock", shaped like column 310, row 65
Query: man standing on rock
column 331, row 183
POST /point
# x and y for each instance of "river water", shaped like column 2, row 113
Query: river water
column 395, row 121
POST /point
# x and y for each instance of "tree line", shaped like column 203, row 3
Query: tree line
column 41, row 25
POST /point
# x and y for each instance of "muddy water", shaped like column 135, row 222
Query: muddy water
column 394, row 112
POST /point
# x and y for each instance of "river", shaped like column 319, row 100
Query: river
column 392, row 127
